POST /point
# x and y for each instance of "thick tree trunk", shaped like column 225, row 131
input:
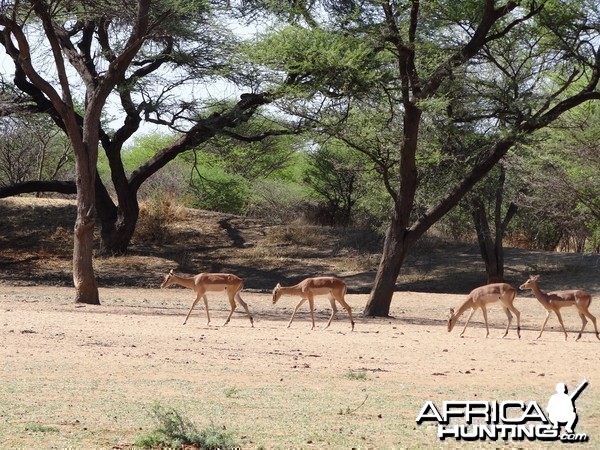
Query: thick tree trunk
column 84, row 279
column 491, row 250
column 116, row 234
column 395, row 249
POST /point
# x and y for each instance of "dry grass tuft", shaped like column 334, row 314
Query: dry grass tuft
column 157, row 215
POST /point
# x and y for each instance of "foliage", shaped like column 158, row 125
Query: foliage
column 173, row 430
column 157, row 215
column 32, row 148
column 563, row 187
column 279, row 201
column 319, row 60
column 334, row 174
column 354, row 375
column 215, row 189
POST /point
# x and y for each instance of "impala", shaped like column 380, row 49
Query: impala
column 554, row 301
column 311, row 287
column 211, row 282
column 483, row 296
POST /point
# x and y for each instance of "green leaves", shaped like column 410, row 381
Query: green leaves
column 316, row 60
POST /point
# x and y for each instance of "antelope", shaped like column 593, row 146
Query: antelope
column 311, row 287
column 480, row 298
column 554, row 301
column 205, row 282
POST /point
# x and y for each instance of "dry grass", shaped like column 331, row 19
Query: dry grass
column 88, row 377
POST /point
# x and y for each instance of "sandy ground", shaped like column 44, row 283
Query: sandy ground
column 85, row 376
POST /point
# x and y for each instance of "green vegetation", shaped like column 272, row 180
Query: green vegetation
column 354, row 375
column 173, row 430
column 38, row 428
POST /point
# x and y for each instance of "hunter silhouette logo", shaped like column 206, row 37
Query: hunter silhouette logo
column 561, row 406
column 507, row 420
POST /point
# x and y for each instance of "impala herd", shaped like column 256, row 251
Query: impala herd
column 335, row 289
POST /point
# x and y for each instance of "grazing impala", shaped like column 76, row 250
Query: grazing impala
column 483, row 296
column 311, row 287
column 554, row 301
column 205, row 282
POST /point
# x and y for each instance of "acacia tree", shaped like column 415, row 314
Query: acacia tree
column 376, row 73
column 563, row 181
column 32, row 148
column 334, row 174
column 145, row 57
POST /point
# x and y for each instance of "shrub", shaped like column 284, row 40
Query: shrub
column 157, row 214
column 174, row 431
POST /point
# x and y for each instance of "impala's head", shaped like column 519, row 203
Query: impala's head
column 276, row 293
column 167, row 281
column 530, row 282
column 450, row 321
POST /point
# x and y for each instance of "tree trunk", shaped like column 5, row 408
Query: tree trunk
column 385, row 282
column 117, row 223
column 84, row 278
column 115, row 235
column 392, row 259
column 491, row 250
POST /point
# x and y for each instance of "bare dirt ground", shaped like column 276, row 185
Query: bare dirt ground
column 74, row 376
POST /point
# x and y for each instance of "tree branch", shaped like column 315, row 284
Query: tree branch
column 29, row 187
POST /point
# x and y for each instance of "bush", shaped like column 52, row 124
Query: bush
column 220, row 191
column 174, row 431
column 157, row 214
column 277, row 201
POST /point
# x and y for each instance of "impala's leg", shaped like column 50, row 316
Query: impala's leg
column 311, row 305
column 245, row 306
column 590, row 316
column 509, row 317
column 333, row 310
column 300, row 303
column 346, row 306
column 544, row 324
column 194, row 304
column 561, row 322
column 484, row 312
column 518, row 316
column 232, row 306
column 583, row 324
column 593, row 319
column 468, row 319
column 205, row 299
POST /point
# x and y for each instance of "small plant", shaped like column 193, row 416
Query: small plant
column 174, row 431
column 349, row 410
column 37, row 428
column 352, row 375
column 231, row 392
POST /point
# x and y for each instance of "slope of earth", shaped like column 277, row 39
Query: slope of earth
column 36, row 249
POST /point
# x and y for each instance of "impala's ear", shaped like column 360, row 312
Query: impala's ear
column 171, row 272
column 451, row 313
column 278, row 286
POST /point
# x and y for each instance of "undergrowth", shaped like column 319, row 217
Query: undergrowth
column 173, row 430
